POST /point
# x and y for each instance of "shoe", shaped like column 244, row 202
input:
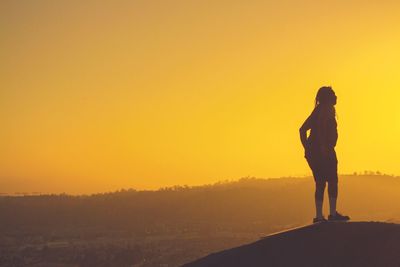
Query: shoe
column 338, row 217
column 319, row 220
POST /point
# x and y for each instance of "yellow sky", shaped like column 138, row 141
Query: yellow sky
column 101, row 95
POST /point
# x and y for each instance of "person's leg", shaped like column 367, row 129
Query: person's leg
column 332, row 193
column 314, row 163
column 319, row 196
column 332, row 183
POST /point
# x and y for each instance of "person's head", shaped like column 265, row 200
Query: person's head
column 325, row 96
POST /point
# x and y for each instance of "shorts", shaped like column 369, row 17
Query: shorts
column 324, row 168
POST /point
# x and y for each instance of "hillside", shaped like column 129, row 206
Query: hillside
column 174, row 225
column 331, row 244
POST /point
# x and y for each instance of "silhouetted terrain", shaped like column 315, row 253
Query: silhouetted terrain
column 362, row 244
column 174, row 225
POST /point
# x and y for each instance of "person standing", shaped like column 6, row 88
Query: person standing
column 320, row 152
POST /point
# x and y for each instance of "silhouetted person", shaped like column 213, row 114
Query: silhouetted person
column 320, row 151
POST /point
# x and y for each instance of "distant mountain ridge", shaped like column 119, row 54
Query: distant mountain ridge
column 254, row 204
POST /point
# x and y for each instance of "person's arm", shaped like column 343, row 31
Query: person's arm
column 304, row 128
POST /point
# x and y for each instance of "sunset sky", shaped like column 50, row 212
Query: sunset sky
column 101, row 95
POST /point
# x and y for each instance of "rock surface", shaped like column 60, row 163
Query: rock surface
column 327, row 244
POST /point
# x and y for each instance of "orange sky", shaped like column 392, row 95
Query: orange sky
column 101, row 95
